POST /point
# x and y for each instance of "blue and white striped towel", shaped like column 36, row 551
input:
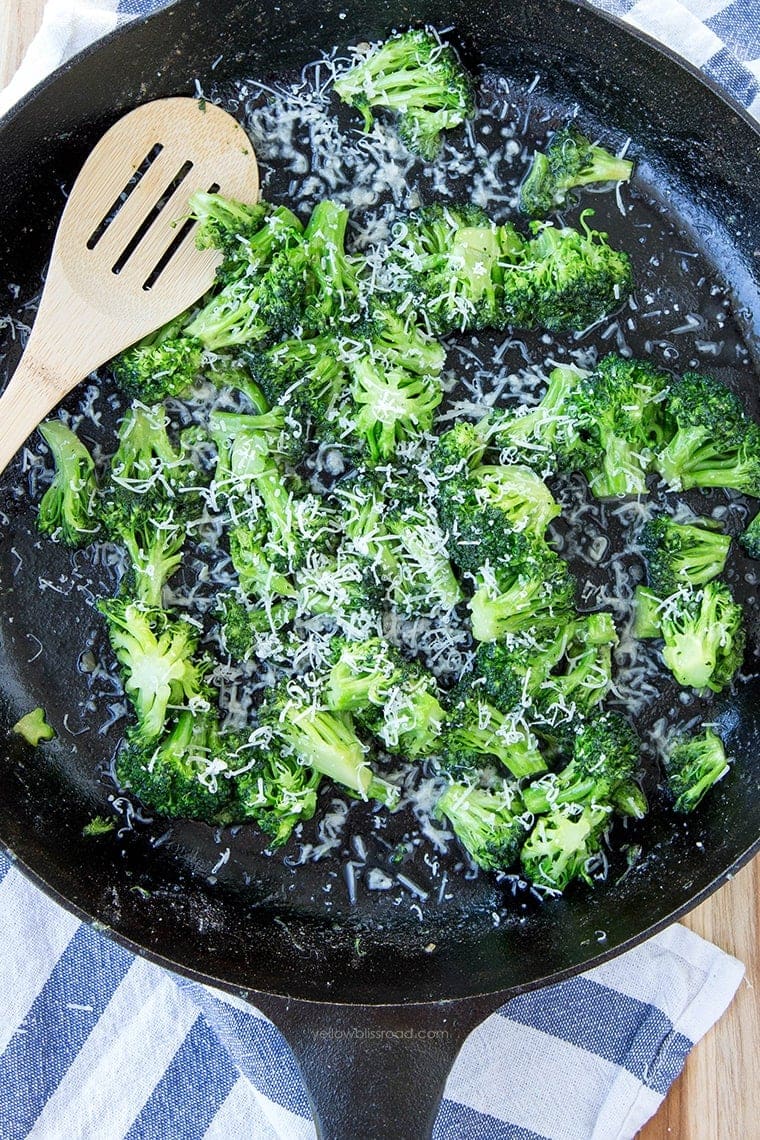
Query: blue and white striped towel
column 98, row 1045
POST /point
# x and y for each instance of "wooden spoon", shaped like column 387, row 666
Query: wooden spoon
column 124, row 260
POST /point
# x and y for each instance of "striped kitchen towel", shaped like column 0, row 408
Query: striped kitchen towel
column 96, row 1044
column 722, row 37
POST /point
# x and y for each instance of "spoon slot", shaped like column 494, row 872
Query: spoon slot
column 130, row 187
column 151, row 217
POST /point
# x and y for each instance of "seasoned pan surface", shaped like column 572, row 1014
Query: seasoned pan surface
column 316, row 929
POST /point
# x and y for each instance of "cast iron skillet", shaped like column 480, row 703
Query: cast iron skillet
column 356, row 989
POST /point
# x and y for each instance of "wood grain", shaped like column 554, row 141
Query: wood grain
column 19, row 21
column 718, row 1096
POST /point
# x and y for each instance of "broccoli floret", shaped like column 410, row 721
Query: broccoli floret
column 712, row 441
column 617, row 422
column 453, row 260
column 630, row 799
column 458, row 450
column 398, row 342
column 750, row 539
column 570, row 160
column 305, row 374
column 277, row 793
column 260, row 298
column 156, row 657
column 34, row 727
column 681, row 554
column 533, row 593
column 227, row 371
column 567, row 280
column 226, row 224
column 334, row 295
column 494, row 513
column 239, row 623
column 342, row 585
column 394, row 698
column 582, row 676
column 145, row 454
column 476, row 729
column 425, row 578
column 416, row 75
column 177, row 775
column 154, row 537
column 67, row 509
column 543, row 437
column 487, row 822
column 164, row 364
column 513, row 669
column 703, row 630
column 393, row 404
column 605, row 755
column 325, row 741
column 256, row 573
column 693, row 764
column 562, row 844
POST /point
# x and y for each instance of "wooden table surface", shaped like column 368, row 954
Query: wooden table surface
column 718, row 1095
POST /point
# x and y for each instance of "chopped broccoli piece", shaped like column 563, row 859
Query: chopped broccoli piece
column 703, row 630
column 156, row 656
column 240, row 622
column 164, row 364
column 393, row 404
column 494, row 513
column 67, row 509
column 605, row 756
column 177, row 774
column 570, row 160
column 418, row 76
column 750, row 539
column 680, row 554
column 533, row 593
column 693, row 764
column 562, row 844
column 487, row 822
column 278, row 792
column 154, row 537
column 712, row 441
column 145, row 454
column 458, row 450
column 97, row 826
column 567, row 279
column 34, row 727
column 476, row 729
column 396, row 699
column 324, row 741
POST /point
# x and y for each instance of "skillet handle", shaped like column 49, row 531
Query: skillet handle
column 374, row 1072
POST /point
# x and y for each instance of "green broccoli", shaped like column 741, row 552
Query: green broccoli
column 277, row 792
column 178, row 774
column 154, row 536
column 534, row 593
column 562, row 845
column 693, row 764
column 682, row 554
column 165, row 363
column 239, row 622
column 395, row 699
column 67, row 508
column 145, row 455
column 488, row 822
column 156, row 656
column 476, row 729
column 711, row 440
column 566, row 280
column 750, row 538
column 33, row 726
column 324, row 741
column 494, row 513
column 392, row 405
column 570, row 160
column 543, row 436
column 703, row 630
column 417, row 76
column 605, row 756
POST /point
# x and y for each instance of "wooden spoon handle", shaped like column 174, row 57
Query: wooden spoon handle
column 37, row 385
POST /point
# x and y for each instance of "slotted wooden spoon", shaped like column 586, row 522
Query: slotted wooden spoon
column 124, row 261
